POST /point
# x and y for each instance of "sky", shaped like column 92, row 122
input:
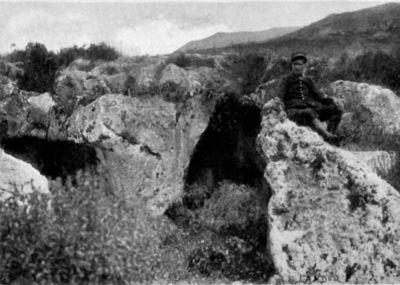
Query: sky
column 151, row 27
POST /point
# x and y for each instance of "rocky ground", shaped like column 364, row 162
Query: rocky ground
column 259, row 198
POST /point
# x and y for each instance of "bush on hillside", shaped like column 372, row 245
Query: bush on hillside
column 94, row 52
column 379, row 68
column 39, row 67
column 227, row 232
column 89, row 235
column 190, row 60
column 246, row 69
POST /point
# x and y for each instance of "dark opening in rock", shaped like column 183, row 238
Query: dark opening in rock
column 224, row 209
column 52, row 158
column 227, row 149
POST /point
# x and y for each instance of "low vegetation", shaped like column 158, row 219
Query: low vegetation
column 84, row 233
column 40, row 65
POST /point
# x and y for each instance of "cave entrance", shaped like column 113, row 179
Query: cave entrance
column 227, row 148
column 52, row 158
column 224, row 208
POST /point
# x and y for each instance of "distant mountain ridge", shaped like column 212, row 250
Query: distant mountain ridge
column 374, row 28
column 378, row 19
column 221, row 39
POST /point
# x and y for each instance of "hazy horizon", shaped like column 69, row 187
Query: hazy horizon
column 151, row 28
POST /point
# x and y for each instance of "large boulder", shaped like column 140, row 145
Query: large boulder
column 381, row 162
column 149, row 143
column 331, row 218
column 372, row 112
column 19, row 178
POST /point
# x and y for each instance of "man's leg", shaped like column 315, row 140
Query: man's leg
column 309, row 117
column 320, row 129
column 330, row 113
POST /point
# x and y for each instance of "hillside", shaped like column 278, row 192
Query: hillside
column 168, row 168
column 370, row 29
column 220, row 40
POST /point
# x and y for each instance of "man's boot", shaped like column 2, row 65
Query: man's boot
column 328, row 136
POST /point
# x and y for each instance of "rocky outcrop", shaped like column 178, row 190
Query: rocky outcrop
column 148, row 141
column 31, row 114
column 373, row 112
column 331, row 218
column 191, row 80
column 381, row 162
column 10, row 70
column 19, row 178
column 8, row 88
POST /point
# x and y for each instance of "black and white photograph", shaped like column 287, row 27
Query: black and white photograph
column 234, row 142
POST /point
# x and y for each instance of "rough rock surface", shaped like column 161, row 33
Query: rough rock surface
column 18, row 177
column 42, row 103
column 331, row 218
column 30, row 114
column 381, row 162
column 372, row 110
column 8, row 88
column 149, row 143
column 192, row 80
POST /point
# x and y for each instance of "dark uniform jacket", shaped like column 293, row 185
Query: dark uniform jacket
column 300, row 92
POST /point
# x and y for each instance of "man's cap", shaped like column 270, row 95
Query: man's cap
column 299, row 55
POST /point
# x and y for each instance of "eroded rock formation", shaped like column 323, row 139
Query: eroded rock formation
column 149, row 143
column 330, row 217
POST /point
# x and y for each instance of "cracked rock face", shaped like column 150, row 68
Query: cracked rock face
column 331, row 217
column 149, row 143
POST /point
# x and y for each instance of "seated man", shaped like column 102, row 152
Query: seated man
column 305, row 104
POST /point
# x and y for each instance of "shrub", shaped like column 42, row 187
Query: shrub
column 189, row 60
column 226, row 232
column 89, row 235
column 101, row 51
column 68, row 55
column 94, row 52
column 39, row 67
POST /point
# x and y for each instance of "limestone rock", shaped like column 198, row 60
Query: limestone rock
column 42, row 103
column 181, row 77
column 10, row 70
column 81, row 64
column 149, row 143
column 31, row 114
column 147, row 74
column 192, row 80
column 373, row 111
column 18, row 177
column 381, row 162
column 8, row 88
column 331, row 218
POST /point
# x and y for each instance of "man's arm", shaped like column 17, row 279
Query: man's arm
column 318, row 95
